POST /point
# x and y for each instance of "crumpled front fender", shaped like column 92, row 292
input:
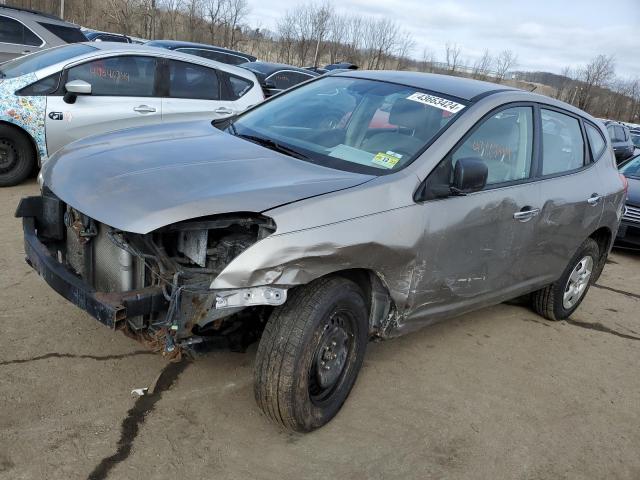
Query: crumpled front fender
column 385, row 243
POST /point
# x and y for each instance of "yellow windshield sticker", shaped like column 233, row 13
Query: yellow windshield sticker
column 387, row 160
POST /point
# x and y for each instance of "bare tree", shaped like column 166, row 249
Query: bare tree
column 506, row 61
column 452, row 55
column 121, row 14
column 337, row 37
column 237, row 10
column 482, row 66
column 320, row 22
column 194, row 16
column 565, row 85
column 428, row 60
column 213, row 13
column 406, row 44
column 171, row 10
column 596, row 74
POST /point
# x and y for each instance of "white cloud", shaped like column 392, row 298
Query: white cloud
column 545, row 34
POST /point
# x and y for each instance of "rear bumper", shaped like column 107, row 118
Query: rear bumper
column 111, row 309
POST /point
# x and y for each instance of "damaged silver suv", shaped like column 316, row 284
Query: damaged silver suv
column 358, row 205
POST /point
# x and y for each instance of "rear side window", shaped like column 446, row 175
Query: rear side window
column 239, row 86
column 12, row 31
column 283, row 80
column 187, row 80
column 562, row 143
column 68, row 34
column 596, row 140
column 504, row 142
column 127, row 76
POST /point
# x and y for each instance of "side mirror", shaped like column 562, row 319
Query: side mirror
column 469, row 175
column 75, row 88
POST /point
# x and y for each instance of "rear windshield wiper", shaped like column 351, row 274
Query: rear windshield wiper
column 272, row 145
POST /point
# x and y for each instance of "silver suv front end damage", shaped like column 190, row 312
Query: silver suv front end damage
column 156, row 286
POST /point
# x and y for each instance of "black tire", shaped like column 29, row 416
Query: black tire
column 289, row 372
column 17, row 156
column 549, row 301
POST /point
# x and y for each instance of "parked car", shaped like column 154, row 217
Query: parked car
column 326, row 237
column 211, row 52
column 277, row 77
column 620, row 139
column 96, row 36
column 24, row 31
column 139, row 41
column 332, row 67
column 629, row 231
column 635, row 139
column 53, row 97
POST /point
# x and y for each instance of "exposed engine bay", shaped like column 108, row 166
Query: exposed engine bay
column 175, row 266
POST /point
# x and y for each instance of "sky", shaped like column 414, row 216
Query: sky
column 546, row 35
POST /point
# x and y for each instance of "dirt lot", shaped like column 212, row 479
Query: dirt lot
column 500, row 393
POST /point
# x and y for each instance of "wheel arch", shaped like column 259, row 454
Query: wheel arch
column 603, row 236
column 379, row 301
column 24, row 132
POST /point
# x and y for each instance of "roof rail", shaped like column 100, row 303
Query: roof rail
column 29, row 10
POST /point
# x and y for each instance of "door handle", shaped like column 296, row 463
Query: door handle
column 594, row 199
column 144, row 109
column 223, row 111
column 526, row 214
column 24, row 52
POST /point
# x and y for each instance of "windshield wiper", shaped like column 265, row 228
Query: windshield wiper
column 272, row 145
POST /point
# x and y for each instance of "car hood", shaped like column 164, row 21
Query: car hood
column 141, row 179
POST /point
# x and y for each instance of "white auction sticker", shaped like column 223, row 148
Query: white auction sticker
column 433, row 101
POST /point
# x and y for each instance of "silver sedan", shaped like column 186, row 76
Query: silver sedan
column 51, row 98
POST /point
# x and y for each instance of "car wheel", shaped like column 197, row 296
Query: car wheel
column 17, row 156
column 560, row 299
column 310, row 354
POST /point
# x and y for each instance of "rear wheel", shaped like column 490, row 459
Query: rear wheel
column 560, row 299
column 17, row 156
column 310, row 354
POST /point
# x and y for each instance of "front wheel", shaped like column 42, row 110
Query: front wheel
column 310, row 354
column 17, row 156
column 560, row 299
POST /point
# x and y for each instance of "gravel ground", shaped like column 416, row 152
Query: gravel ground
column 499, row 393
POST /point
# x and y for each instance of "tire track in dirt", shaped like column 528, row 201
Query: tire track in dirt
column 72, row 355
column 136, row 416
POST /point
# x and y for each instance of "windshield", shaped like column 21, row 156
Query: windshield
column 635, row 138
column 632, row 168
column 350, row 124
column 39, row 60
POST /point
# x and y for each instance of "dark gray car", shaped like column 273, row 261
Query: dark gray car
column 24, row 31
column 354, row 206
column 621, row 141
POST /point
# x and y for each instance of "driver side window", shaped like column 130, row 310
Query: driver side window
column 504, row 142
